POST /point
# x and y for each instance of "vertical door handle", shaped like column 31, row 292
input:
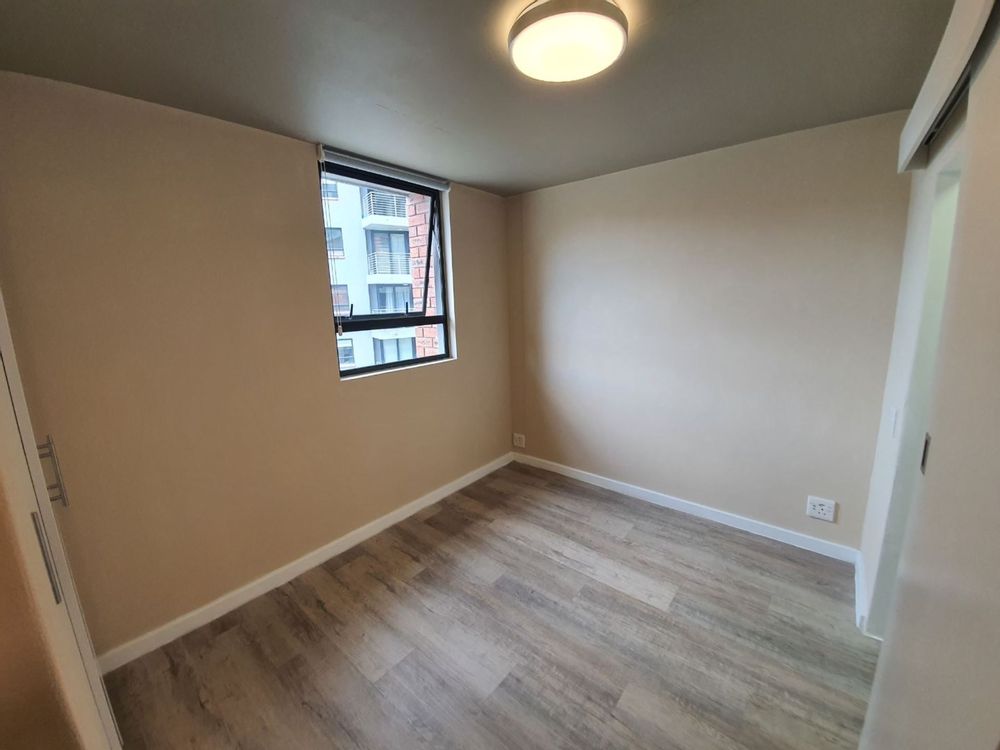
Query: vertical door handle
column 43, row 542
column 926, row 454
column 48, row 450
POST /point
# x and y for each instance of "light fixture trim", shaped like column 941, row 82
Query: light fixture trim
column 542, row 10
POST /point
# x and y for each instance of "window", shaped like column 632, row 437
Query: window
column 388, row 351
column 388, row 252
column 345, row 351
column 334, row 242
column 391, row 298
column 384, row 246
column 328, row 187
column 341, row 299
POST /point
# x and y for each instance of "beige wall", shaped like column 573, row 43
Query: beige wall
column 717, row 327
column 166, row 283
column 938, row 679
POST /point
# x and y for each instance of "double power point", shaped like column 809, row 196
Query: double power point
column 824, row 510
column 518, row 440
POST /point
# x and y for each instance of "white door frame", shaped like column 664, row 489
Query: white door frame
column 55, row 551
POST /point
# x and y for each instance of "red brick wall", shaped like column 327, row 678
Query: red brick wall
column 418, row 210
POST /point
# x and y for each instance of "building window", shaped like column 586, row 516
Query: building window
column 398, row 291
column 388, row 351
column 328, row 186
column 341, row 299
column 345, row 352
column 334, row 243
column 391, row 298
column 388, row 252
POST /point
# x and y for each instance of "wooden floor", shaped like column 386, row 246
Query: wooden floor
column 527, row 611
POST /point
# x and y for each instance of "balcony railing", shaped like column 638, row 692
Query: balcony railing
column 391, row 309
column 381, row 262
column 385, row 204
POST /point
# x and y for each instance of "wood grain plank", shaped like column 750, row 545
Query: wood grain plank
column 588, row 561
column 526, row 611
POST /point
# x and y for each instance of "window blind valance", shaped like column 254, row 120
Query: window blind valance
column 328, row 155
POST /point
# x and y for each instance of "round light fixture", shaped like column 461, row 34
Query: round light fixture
column 566, row 40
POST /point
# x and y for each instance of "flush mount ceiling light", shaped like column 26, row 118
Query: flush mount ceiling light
column 566, row 40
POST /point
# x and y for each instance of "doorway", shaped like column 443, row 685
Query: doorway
column 911, row 422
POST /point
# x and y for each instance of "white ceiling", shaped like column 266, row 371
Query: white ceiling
column 427, row 84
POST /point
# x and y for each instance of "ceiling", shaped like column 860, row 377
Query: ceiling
column 427, row 84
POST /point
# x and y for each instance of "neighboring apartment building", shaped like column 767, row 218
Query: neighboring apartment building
column 377, row 245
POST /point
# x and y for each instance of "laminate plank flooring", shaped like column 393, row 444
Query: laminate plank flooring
column 526, row 611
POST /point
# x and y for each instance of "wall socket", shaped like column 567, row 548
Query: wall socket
column 824, row 510
column 518, row 440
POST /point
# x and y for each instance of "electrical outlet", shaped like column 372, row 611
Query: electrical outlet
column 518, row 440
column 824, row 510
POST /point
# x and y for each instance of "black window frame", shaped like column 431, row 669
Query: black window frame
column 352, row 323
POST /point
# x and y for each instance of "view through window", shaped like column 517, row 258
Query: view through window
column 386, row 283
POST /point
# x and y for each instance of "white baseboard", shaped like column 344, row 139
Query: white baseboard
column 860, row 593
column 120, row 655
column 174, row 629
column 794, row 538
column 862, row 603
column 769, row 531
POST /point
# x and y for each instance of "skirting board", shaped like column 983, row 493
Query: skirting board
column 777, row 533
column 860, row 594
column 193, row 620
column 861, row 601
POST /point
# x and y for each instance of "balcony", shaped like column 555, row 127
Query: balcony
column 391, row 310
column 383, row 210
column 385, row 204
column 388, row 263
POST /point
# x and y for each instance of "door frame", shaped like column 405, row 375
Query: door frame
column 906, row 436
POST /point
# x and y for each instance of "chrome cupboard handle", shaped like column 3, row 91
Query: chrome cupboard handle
column 48, row 450
column 43, row 542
